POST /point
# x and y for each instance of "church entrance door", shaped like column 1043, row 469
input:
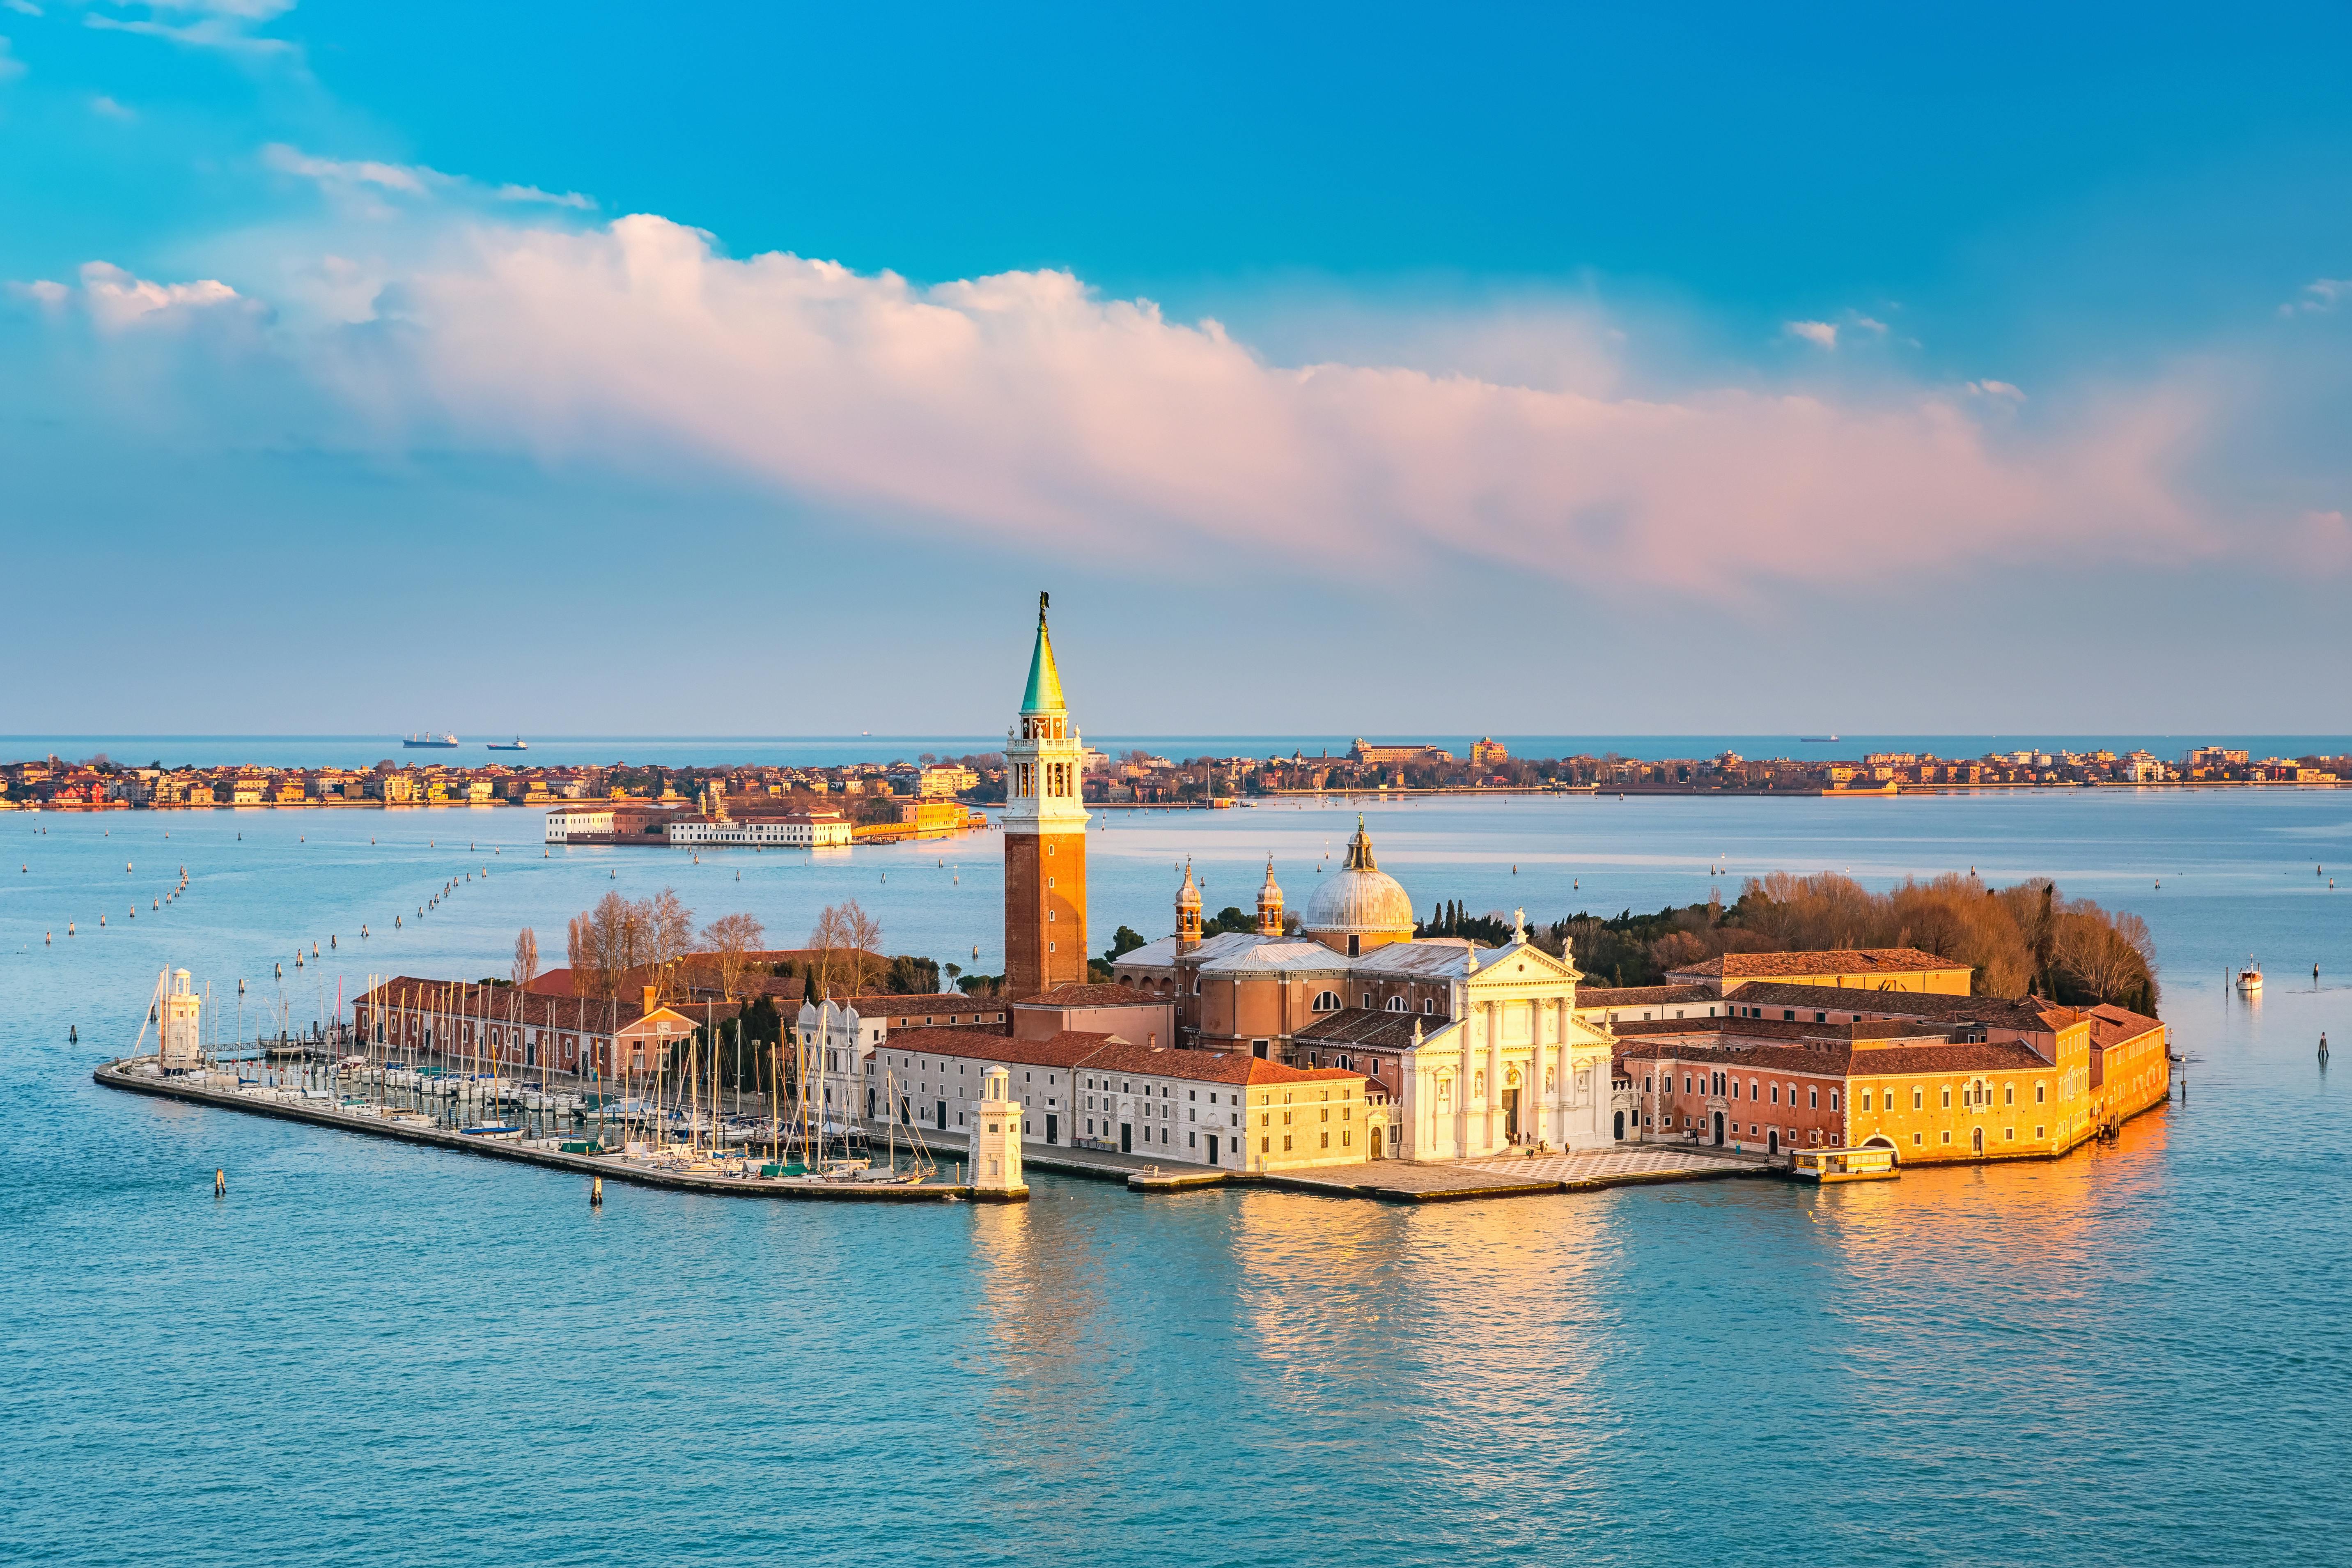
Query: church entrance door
column 1620, row 1127
column 1511, row 1115
column 1719, row 1129
column 1212, row 1147
column 1377, row 1141
column 1126, row 1137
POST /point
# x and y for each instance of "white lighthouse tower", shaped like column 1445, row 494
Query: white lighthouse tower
column 180, row 1042
column 996, row 1140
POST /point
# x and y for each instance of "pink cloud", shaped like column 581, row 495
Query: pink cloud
column 1029, row 408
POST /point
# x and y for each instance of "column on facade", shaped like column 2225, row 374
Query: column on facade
column 1493, row 1013
column 1555, row 1068
column 1462, row 1082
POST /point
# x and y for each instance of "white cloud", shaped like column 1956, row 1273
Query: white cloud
column 42, row 291
column 117, row 300
column 2319, row 296
column 533, row 194
column 408, row 179
column 1822, row 333
column 1999, row 389
column 352, row 177
column 1870, row 324
column 214, row 24
column 105, row 105
column 11, row 67
column 22, row 8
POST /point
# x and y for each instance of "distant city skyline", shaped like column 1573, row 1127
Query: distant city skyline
column 1536, row 374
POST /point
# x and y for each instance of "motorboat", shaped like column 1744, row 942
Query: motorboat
column 2250, row 979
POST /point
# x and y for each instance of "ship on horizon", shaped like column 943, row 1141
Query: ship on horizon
column 426, row 740
column 517, row 744
column 1816, row 739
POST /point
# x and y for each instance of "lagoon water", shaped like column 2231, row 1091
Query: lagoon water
column 373, row 1353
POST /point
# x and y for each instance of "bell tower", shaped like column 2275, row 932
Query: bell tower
column 1269, row 903
column 1045, row 836
column 1188, row 912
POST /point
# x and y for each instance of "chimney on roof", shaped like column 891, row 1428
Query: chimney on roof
column 649, row 998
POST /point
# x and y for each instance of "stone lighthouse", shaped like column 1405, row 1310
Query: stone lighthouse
column 996, row 1140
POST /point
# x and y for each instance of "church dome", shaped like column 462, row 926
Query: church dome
column 1360, row 899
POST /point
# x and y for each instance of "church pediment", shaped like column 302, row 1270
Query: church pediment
column 1519, row 965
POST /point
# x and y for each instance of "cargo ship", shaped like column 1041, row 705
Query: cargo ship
column 440, row 743
column 517, row 744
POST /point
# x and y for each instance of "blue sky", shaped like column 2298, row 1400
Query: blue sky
column 1535, row 370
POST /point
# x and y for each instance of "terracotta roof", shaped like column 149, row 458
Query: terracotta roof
column 1640, row 996
column 2112, row 1025
column 932, row 1003
column 1816, row 1060
column 1983, row 1056
column 1843, row 1036
column 1092, row 997
column 1066, row 1048
column 507, row 1004
column 1855, row 961
column 1209, row 1067
column 1996, row 1011
column 1365, row 1027
column 1933, row 1056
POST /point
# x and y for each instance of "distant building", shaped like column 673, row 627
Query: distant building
column 1364, row 751
column 791, row 830
column 1045, row 836
column 945, row 778
column 1487, row 751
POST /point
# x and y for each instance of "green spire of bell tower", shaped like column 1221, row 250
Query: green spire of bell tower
column 1045, row 693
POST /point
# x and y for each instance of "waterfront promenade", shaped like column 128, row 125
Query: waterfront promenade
column 1386, row 1180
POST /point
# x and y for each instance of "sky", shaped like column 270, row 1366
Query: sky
column 748, row 369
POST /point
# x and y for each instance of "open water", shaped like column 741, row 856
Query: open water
column 370, row 1353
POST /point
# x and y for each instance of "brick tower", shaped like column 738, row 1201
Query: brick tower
column 1045, row 836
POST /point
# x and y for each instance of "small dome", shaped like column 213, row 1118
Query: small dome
column 1360, row 899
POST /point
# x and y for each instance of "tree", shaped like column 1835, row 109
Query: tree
column 526, row 957
column 846, row 939
column 733, row 938
column 911, row 976
column 1123, row 941
column 668, row 936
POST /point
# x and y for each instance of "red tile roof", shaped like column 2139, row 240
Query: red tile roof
column 1836, row 961
column 1090, row 995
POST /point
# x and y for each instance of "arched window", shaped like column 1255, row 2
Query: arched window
column 1396, row 1004
column 1327, row 1002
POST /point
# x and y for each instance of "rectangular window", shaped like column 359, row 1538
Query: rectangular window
column 1263, row 1144
column 1812, row 1099
column 1917, row 1139
column 1948, row 1097
column 1865, row 1101
column 2037, row 1133
column 1286, row 1143
column 1918, row 1099
column 1326, row 1139
column 2037, row 1099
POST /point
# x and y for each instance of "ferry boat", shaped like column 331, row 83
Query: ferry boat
column 423, row 741
column 517, row 744
column 1868, row 1163
column 2250, row 979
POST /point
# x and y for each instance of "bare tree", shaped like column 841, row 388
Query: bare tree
column 668, row 932
column 733, row 937
column 865, row 961
column 526, row 957
column 580, row 953
column 827, row 940
column 846, row 940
